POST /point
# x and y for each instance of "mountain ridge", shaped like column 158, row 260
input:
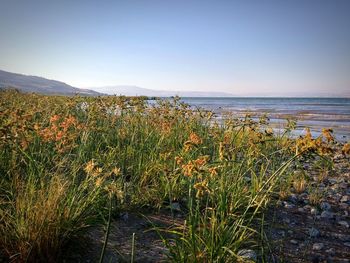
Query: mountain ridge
column 28, row 83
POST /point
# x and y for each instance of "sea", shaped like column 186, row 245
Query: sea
column 315, row 113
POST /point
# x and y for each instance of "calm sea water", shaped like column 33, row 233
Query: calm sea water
column 316, row 113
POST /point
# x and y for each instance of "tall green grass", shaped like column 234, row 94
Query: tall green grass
column 61, row 158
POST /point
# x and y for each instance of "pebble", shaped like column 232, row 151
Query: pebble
column 288, row 205
column 293, row 241
column 293, row 198
column 247, row 254
column 313, row 232
column 175, row 206
column 347, row 244
column 286, row 220
column 313, row 211
column 332, row 180
column 125, row 216
column 318, row 246
column 325, row 206
column 344, row 199
column 326, row 215
column 343, row 223
column 330, row 251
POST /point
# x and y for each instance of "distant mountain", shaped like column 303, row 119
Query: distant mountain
column 40, row 85
column 137, row 91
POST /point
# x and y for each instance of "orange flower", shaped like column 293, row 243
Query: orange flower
column 327, row 133
column 201, row 161
column 195, row 139
column 188, row 169
column 54, row 118
column 346, row 149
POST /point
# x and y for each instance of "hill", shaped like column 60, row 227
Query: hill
column 36, row 84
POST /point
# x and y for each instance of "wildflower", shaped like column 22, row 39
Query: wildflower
column 188, row 169
column 195, row 139
column 346, row 149
column 213, row 172
column 116, row 171
column 188, row 146
column 54, row 118
column 89, row 167
column 97, row 172
column 221, row 151
column 99, row 181
column 201, row 160
column 308, row 135
column 179, row 160
column 202, row 188
column 269, row 132
column 327, row 133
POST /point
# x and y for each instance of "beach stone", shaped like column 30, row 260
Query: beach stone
column 293, row 198
column 326, row 215
column 313, row 232
column 332, row 180
column 247, row 254
column 344, row 199
column 347, row 244
column 343, row 223
column 318, row 246
column 124, row 216
column 294, row 242
column 286, row 220
column 288, row 205
column 301, row 210
column 330, row 251
column 313, row 211
column 325, row 206
column 175, row 206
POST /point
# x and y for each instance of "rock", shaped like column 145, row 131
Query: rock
column 318, row 246
column 124, row 216
column 332, row 180
column 313, row 211
column 325, row 206
column 288, row 205
column 301, row 210
column 286, row 220
column 343, row 223
column 313, row 232
column 293, row 198
column 347, row 244
column 327, row 215
column 247, row 254
column 175, row 206
column 330, row 251
column 282, row 233
column 294, row 242
column 344, row 199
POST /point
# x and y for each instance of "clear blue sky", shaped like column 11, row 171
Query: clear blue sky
column 242, row 47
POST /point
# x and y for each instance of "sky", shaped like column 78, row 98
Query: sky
column 247, row 48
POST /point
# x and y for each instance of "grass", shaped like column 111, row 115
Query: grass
column 64, row 159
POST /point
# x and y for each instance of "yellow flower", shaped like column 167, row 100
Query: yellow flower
column 202, row 188
column 89, row 167
column 99, row 181
column 116, row 171
column 179, row 160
